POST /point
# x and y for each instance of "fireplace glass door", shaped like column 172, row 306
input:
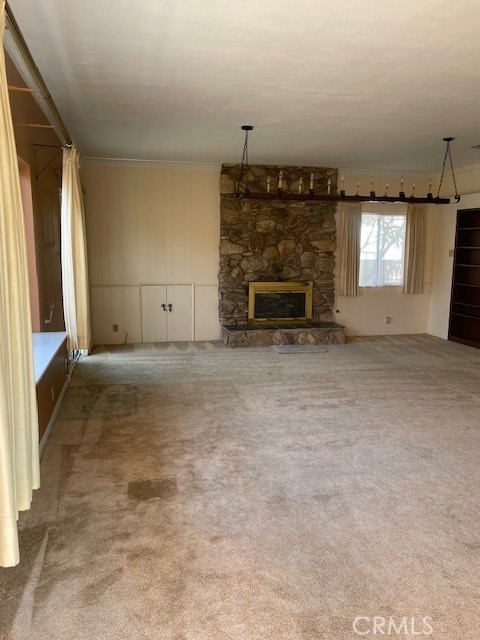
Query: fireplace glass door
column 280, row 302
column 280, row 305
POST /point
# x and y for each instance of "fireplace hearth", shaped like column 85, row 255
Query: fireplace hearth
column 258, row 335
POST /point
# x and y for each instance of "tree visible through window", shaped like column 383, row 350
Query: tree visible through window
column 382, row 247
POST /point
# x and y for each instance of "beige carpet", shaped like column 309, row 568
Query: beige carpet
column 201, row 493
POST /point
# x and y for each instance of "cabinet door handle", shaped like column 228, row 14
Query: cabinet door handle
column 164, row 306
column 170, row 307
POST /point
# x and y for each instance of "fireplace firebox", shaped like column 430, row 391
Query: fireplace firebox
column 276, row 303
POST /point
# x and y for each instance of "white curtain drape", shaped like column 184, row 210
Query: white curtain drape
column 74, row 255
column 349, row 232
column 19, row 453
column 414, row 249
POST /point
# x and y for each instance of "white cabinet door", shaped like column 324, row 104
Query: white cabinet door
column 154, row 316
column 166, row 313
column 179, row 314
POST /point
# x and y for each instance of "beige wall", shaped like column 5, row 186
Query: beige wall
column 150, row 225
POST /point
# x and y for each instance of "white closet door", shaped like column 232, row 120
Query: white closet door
column 179, row 319
column 154, row 318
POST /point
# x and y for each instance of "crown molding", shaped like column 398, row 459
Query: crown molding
column 468, row 168
column 159, row 164
column 390, row 172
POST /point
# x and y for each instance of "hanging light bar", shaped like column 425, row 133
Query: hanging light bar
column 311, row 195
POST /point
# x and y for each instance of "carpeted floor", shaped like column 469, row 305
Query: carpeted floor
column 192, row 492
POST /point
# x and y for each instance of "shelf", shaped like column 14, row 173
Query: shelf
column 468, row 219
column 462, row 284
column 461, row 340
column 465, row 295
column 464, row 325
column 464, row 315
column 475, row 266
column 468, row 304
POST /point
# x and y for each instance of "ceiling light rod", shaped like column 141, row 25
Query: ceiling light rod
column 279, row 193
column 22, row 58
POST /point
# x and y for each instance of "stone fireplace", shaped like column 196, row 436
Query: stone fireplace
column 275, row 241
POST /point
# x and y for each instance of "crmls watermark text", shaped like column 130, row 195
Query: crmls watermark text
column 381, row 626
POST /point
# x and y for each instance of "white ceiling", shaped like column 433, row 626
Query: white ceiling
column 354, row 83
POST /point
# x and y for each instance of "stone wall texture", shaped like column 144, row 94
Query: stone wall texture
column 275, row 240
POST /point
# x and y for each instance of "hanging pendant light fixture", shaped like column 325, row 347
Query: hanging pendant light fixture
column 244, row 164
column 448, row 154
column 311, row 194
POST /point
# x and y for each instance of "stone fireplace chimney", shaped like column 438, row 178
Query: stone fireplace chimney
column 275, row 240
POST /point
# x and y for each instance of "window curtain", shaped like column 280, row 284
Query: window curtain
column 74, row 256
column 350, row 226
column 414, row 249
column 19, row 453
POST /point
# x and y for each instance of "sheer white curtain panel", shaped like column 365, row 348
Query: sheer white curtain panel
column 350, row 227
column 74, row 255
column 415, row 249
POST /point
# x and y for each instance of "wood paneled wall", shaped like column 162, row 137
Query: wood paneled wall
column 150, row 225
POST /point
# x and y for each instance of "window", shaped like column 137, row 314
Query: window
column 382, row 247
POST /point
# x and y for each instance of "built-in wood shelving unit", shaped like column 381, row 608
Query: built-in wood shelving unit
column 464, row 324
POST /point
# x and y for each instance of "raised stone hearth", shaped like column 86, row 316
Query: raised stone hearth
column 316, row 333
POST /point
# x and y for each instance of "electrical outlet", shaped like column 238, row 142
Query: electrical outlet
column 115, row 328
column 388, row 320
